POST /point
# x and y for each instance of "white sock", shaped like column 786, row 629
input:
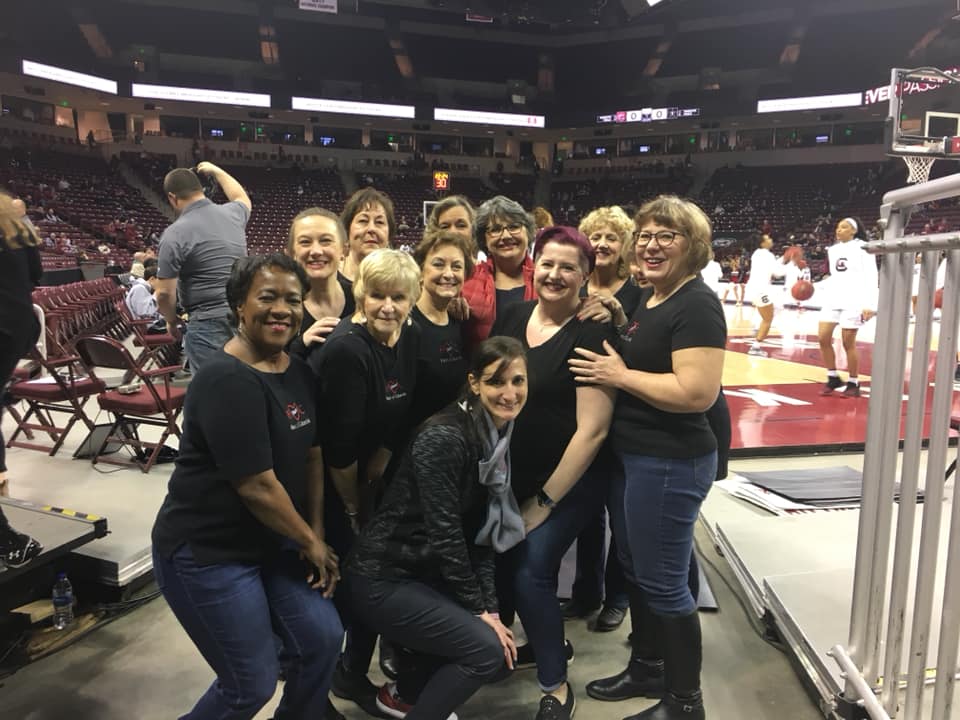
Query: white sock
column 853, row 380
column 832, row 373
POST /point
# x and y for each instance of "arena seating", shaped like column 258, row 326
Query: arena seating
column 277, row 198
column 571, row 199
column 94, row 205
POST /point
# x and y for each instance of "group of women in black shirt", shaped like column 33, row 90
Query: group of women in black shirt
column 444, row 475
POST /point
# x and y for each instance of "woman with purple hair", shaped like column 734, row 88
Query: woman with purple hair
column 555, row 441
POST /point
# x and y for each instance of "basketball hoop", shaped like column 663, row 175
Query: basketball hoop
column 918, row 167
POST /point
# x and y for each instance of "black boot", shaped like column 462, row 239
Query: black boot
column 643, row 676
column 683, row 652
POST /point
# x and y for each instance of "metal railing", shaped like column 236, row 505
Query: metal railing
column 881, row 595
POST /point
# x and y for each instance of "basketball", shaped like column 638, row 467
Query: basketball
column 802, row 290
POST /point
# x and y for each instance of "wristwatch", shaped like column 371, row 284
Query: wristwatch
column 544, row 500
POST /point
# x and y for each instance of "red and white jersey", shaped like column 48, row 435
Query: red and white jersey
column 854, row 278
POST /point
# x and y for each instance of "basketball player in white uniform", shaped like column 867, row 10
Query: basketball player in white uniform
column 850, row 301
column 764, row 266
column 711, row 275
column 795, row 270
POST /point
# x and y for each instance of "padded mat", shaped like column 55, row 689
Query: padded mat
column 815, row 486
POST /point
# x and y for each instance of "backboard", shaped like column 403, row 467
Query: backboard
column 923, row 122
column 924, row 112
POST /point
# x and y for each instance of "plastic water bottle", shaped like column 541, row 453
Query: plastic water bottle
column 62, row 602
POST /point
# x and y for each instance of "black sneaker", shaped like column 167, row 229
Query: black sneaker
column 833, row 382
column 609, row 619
column 526, row 659
column 956, row 374
column 17, row 549
column 357, row 689
column 552, row 709
column 852, row 390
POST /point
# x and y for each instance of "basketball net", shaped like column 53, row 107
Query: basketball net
column 918, row 167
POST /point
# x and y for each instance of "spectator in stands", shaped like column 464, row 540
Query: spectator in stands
column 504, row 231
column 669, row 375
column 51, row 216
column 423, row 570
column 542, row 218
column 318, row 242
column 371, row 225
column 238, row 547
column 137, row 267
column 140, row 299
column 196, row 253
column 554, row 443
column 366, row 378
column 849, row 299
column 445, row 262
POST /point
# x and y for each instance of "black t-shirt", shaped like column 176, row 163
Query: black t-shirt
column 296, row 346
column 20, row 271
column 692, row 317
column 629, row 296
column 441, row 367
column 549, row 419
column 365, row 390
column 506, row 298
column 237, row 421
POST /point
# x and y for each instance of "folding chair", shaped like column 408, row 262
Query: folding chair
column 155, row 404
column 64, row 389
column 160, row 348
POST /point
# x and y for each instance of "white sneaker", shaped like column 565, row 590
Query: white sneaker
column 757, row 351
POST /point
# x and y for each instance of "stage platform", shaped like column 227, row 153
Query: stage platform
column 796, row 572
column 58, row 529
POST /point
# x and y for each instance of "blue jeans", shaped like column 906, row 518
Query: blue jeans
column 454, row 652
column 654, row 506
column 232, row 612
column 204, row 338
column 599, row 575
column 533, row 568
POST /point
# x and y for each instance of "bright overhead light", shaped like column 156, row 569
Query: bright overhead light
column 184, row 94
column 350, row 107
column 69, row 77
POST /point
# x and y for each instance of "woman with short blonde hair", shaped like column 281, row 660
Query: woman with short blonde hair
column 366, row 377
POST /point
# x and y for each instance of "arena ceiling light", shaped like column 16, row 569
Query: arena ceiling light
column 69, row 77
column 478, row 117
column 200, row 95
column 810, row 102
column 350, row 107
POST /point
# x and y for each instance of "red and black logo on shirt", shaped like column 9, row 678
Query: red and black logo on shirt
column 296, row 415
column 630, row 331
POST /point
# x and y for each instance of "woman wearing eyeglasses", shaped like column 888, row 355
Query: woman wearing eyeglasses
column 668, row 375
column 504, row 231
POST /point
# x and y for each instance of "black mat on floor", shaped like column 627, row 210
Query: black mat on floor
column 821, row 487
column 706, row 600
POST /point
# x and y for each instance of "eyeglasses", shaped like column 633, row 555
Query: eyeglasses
column 497, row 230
column 664, row 238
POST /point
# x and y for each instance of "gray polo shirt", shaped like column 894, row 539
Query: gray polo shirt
column 198, row 249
